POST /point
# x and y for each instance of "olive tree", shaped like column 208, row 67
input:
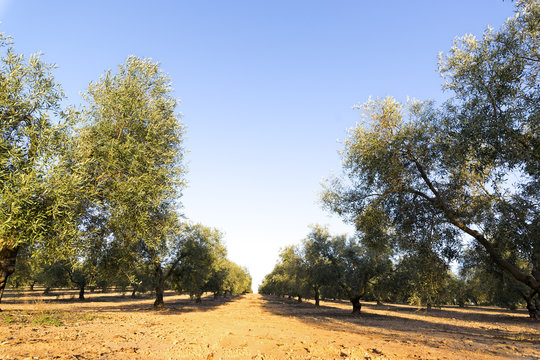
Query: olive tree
column 36, row 185
column 131, row 145
column 200, row 250
column 471, row 166
column 228, row 277
column 288, row 276
column 319, row 270
column 336, row 266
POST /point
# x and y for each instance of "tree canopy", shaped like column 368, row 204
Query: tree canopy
column 37, row 190
column 90, row 196
column 466, row 170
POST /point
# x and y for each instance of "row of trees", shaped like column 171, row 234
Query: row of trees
column 340, row 267
column 98, row 186
column 331, row 267
column 460, row 181
column 204, row 267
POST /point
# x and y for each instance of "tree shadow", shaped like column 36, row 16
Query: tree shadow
column 114, row 302
column 488, row 315
column 407, row 325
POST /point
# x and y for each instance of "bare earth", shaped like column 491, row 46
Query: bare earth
column 108, row 326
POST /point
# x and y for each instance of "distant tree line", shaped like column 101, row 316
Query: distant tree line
column 89, row 195
column 427, row 185
column 203, row 267
column 340, row 267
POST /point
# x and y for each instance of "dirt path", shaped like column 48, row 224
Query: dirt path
column 256, row 327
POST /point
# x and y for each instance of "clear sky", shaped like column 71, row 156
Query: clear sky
column 266, row 89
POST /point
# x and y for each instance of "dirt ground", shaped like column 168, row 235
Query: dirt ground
column 109, row 326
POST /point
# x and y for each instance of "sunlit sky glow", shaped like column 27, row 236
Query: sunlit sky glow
column 266, row 89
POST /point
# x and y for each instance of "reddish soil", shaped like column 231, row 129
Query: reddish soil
column 108, row 326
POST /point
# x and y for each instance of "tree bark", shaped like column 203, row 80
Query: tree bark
column 81, row 291
column 533, row 305
column 8, row 258
column 299, row 298
column 531, row 280
column 159, row 287
column 317, row 297
column 357, row 306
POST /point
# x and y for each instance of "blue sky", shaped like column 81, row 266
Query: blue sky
column 266, row 89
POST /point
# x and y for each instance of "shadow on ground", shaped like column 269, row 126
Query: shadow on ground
column 410, row 325
column 114, row 302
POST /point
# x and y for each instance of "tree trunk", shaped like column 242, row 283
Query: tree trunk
column 32, row 285
column 356, row 305
column 299, row 298
column 531, row 280
column 533, row 305
column 316, row 296
column 81, row 291
column 8, row 257
column 159, row 286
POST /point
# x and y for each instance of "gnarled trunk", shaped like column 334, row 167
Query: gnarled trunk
column 533, row 305
column 316, row 296
column 159, row 287
column 81, row 291
column 8, row 258
column 357, row 306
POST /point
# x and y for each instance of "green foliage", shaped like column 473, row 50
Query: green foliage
column 318, row 269
column 228, row 277
column 36, row 186
column 288, row 276
column 25, row 270
column 48, row 319
column 430, row 177
column 95, row 204
column 485, row 283
column 426, row 277
column 131, row 151
column 336, row 267
column 201, row 248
